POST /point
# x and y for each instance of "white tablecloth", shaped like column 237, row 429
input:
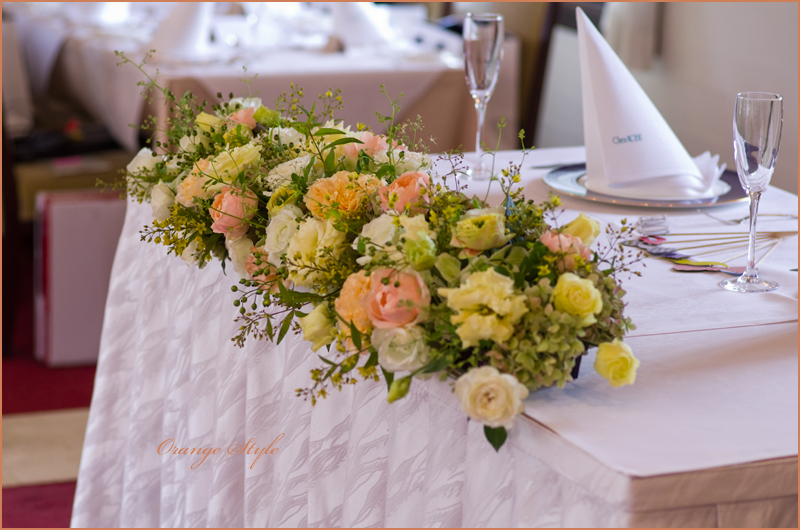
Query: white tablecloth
column 706, row 437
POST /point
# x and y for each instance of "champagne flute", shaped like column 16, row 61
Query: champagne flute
column 483, row 53
column 757, row 122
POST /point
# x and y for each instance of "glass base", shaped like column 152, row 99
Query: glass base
column 745, row 285
column 477, row 173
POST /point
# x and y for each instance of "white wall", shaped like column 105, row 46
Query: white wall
column 710, row 51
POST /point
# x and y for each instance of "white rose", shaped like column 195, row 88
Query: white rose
column 380, row 231
column 416, row 228
column 280, row 231
column 188, row 254
column 412, row 161
column 238, row 250
column 281, row 175
column 161, row 200
column 246, row 102
column 490, row 397
column 401, row 349
column 144, row 160
column 306, row 248
column 189, row 143
column 287, row 136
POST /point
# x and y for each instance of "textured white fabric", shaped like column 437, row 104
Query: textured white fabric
column 168, row 370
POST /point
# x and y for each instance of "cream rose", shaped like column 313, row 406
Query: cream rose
column 401, row 349
column 287, row 135
column 280, row 231
column 479, row 230
column 318, row 327
column 143, row 161
column 486, row 307
column 577, row 296
column 583, row 227
column 615, row 362
column 490, row 397
column 227, row 165
column 306, row 250
column 161, row 200
column 189, row 142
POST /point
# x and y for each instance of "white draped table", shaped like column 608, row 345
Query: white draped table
column 706, row 437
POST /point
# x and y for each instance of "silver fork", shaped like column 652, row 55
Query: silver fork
column 732, row 222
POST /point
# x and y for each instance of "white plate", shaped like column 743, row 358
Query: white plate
column 570, row 180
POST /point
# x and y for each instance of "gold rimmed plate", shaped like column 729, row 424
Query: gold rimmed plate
column 571, row 180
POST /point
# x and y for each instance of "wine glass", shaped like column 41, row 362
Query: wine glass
column 483, row 53
column 757, row 122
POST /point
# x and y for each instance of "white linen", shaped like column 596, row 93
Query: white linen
column 167, row 369
column 631, row 151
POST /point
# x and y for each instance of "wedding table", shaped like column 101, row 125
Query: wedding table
column 78, row 60
column 707, row 436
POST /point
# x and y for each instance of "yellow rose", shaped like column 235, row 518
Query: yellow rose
column 486, row 307
column 577, row 296
column 490, row 397
column 317, row 326
column 615, row 362
column 583, row 227
column 206, row 121
column 480, row 229
column 307, row 250
column 348, row 190
column 228, row 164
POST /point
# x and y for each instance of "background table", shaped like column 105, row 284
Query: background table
column 706, row 437
column 78, row 61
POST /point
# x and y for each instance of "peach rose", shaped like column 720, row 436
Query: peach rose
column 351, row 306
column 400, row 302
column 371, row 144
column 194, row 185
column 349, row 195
column 231, row 210
column 257, row 261
column 407, row 189
column 569, row 245
column 245, row 117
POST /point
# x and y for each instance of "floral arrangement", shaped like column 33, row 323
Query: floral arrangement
column 352, row 239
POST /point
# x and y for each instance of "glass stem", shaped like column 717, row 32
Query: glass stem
column 480, row 106
column 750, row 273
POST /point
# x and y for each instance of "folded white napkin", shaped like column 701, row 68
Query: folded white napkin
column 631, row 151
column 185, row 32
column 361, row 24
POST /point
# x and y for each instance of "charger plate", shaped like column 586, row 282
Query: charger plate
column 570, row 180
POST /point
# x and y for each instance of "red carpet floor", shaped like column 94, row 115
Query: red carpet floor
column 29, row 386
column 46, row 506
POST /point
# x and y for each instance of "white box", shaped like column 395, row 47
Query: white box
column 76, row 238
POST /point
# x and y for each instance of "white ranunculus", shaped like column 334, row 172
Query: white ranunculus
column 490, row 397
column 280, row 231
column 144, row 160
column 380, row 231
column 161, row 200
column 238, row 250
column 246, row 102
column 401, row 349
